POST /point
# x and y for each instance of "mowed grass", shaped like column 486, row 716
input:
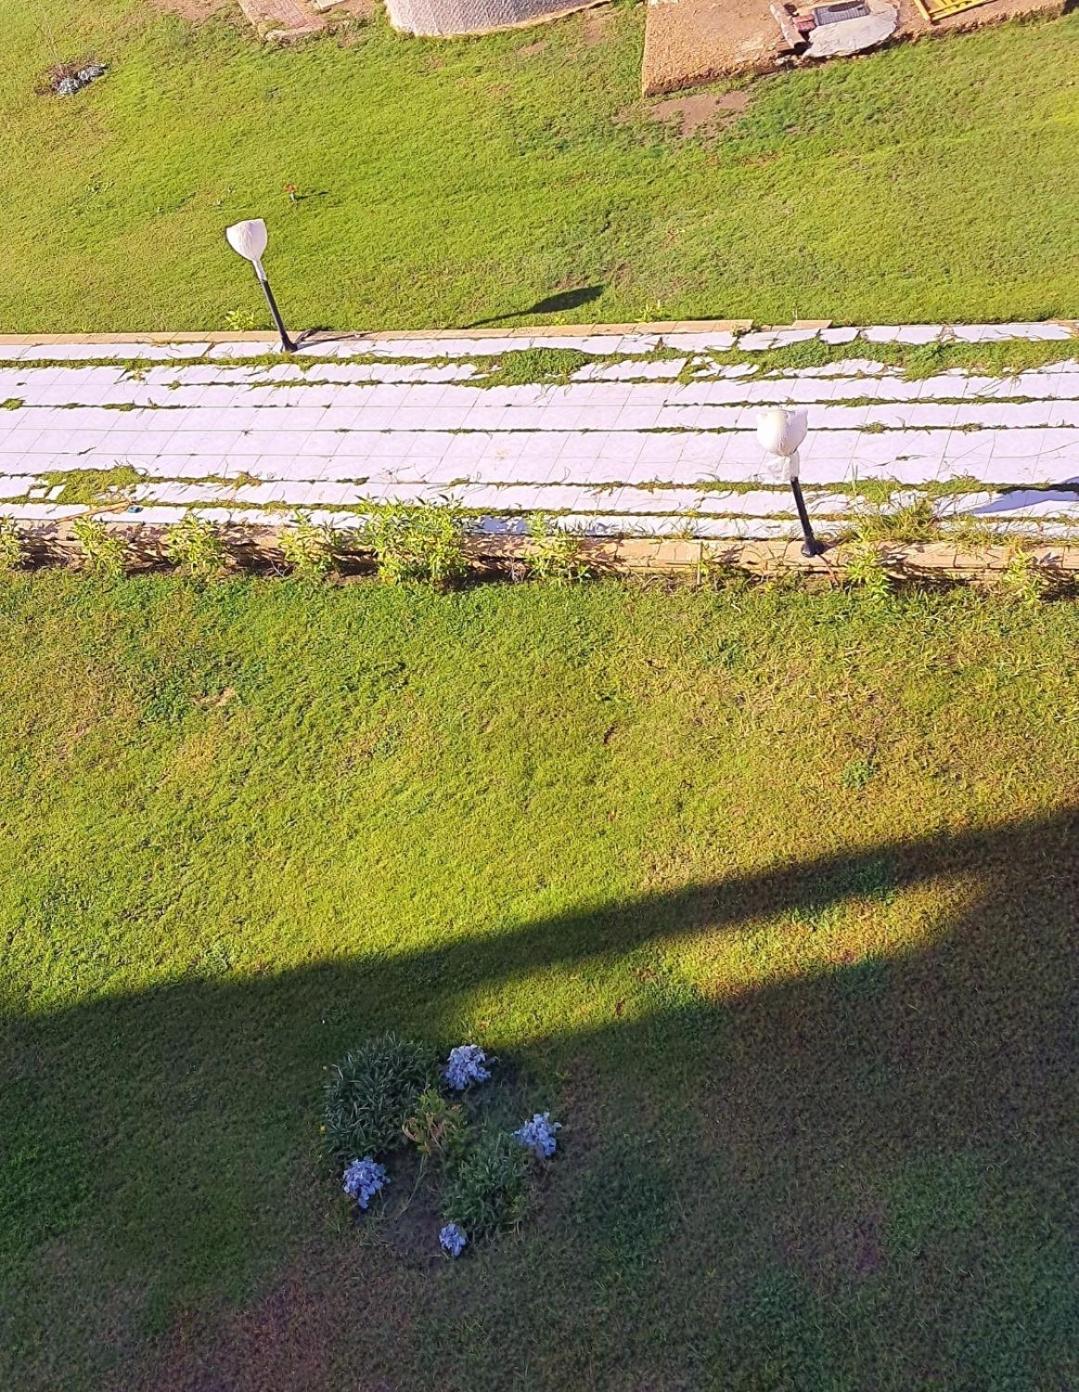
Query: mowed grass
column 769, row 894
column 444, row 183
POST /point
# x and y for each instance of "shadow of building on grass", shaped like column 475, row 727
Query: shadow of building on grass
column 873, row 1163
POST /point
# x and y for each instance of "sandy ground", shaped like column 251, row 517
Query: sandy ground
column 688, row 42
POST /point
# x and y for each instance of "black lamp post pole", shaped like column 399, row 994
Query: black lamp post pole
column 286, row 342
column 810, row 545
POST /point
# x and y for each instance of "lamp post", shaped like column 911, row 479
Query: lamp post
column 780, row 433
column 248, row 239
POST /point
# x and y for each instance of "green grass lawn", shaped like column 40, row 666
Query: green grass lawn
column 444, row 183
column 769, row 894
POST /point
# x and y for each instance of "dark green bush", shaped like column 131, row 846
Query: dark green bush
column 487, row 1191
column 371, row 1093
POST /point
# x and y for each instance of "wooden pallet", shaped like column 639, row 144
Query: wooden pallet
column 935, row 10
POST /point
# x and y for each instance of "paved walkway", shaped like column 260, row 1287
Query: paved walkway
column 655, row 437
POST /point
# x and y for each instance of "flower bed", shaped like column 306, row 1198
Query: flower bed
column 389, row 1094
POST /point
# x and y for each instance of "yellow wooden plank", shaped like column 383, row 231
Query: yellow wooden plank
column 941, row 9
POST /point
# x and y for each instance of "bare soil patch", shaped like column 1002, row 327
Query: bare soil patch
column 282, row 1340
column 595, row 27
column 701, row 111
column 195, row 11
column 530, row 50
column 355, row 9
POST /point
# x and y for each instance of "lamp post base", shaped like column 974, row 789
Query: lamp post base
column 810, row 545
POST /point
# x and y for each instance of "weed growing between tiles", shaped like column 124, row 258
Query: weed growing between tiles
column 92, row 487
column 528, row 366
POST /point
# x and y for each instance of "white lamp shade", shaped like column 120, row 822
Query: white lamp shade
column 781, row 432
column 248, row 239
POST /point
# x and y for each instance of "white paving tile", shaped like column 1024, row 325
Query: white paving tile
column 995, row 333
column 774, row 338
column 891, row 333
column 717, row 342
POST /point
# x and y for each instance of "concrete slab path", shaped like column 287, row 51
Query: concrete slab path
column 655, row 436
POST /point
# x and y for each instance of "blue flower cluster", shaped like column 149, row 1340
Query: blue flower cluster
column 466, row 1065
column 453, row 1239
column 364, row 1179
column 538, row 1135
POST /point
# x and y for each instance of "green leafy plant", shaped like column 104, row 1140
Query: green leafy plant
column 196, row 547
column 12, row 551
column 1022, row 580
column 105, row 549
column 858, row 773
column 371, row 1093
column 487, row 1191
column 94, row 487
column 244, row 321
column 864, row 568
column 309, row 548
column 423, row 541
column 553, row 554
column 437, row 1128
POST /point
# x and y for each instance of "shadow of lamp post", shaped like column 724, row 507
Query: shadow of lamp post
column 780, row 433
column 248, row 239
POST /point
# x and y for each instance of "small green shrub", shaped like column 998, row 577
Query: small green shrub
column 554, row 554
column 858, row 773
column 12, row 551
column 309, row 548
column 487, row 1191
column 196, row 547
column 105, row 549
column 423, row 541
column 372, row 1093
column 865, row 569
column 437, row 1128
column 1022, row 580
column 972, row 533
column 244, row 321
